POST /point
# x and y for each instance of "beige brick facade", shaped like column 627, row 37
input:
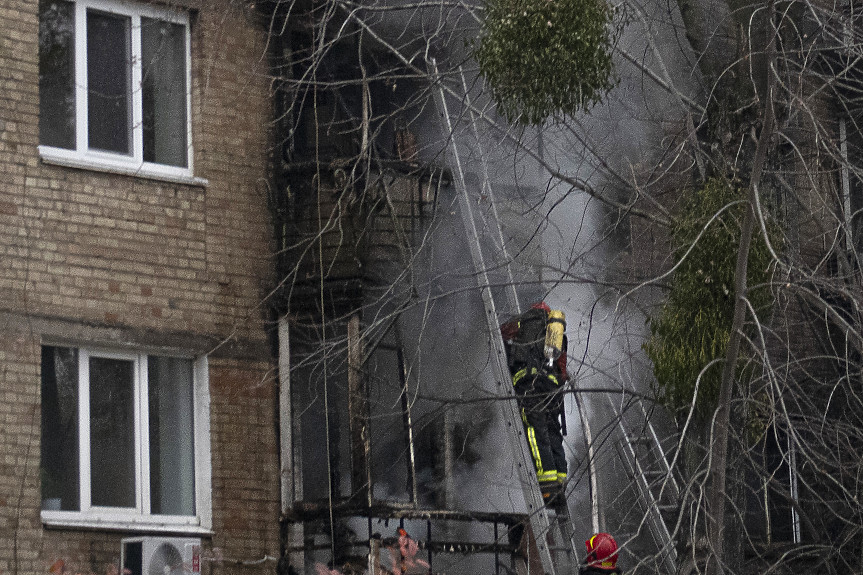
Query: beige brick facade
column 119, row 261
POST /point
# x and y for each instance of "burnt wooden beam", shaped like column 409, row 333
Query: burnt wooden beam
column 358, row 410
column 465, row 547
column 320, row 510
column 406, row 418
column 444, row 463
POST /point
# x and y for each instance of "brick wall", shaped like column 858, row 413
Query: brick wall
column 120, row 260
column 19, row 452
column 245, row 468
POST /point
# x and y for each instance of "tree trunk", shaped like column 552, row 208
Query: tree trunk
column 719, row 445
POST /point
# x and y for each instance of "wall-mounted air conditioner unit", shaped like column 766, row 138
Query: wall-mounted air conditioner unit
column 161, row 556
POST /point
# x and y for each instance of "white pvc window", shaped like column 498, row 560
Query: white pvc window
column 114, row 83
column 124, row 439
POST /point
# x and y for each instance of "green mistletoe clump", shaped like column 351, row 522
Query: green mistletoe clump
column 694, row 325
column 546, row 57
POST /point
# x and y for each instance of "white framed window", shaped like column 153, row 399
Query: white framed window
column 125, row 440
column 114, row 92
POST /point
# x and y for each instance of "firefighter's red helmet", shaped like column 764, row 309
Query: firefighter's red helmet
column 541, row 305
column 601, row 551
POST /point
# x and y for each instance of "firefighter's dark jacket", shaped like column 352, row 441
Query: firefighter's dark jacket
column 509, row 331
column 528, row 356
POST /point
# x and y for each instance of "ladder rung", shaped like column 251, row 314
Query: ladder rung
column 639, row 439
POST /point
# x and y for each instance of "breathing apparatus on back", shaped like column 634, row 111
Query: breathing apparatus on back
column 554, row 330
column 535, row 339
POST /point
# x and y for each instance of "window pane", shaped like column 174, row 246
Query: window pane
column 163, row 68
column 109, row 82
column 56, row 74
column 112, row 432
column 59, row 467
column 172, row 447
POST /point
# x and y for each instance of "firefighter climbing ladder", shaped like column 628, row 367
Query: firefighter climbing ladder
column 553, row 533
column 556, row 547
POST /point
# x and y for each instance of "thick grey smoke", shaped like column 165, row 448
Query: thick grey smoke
column 560, row 244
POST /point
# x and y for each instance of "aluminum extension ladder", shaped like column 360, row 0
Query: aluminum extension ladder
column 655, row 485
column 553, row 532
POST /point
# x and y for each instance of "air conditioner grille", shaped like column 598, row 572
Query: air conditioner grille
column 161, row 556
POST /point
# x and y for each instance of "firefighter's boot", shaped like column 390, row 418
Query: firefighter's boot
column 558, row 502
column 551, row 491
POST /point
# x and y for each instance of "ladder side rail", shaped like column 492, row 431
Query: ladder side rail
column 670, row 485
column 671, row 480
column 597, row 519
column 657, row 524
column 539, row 516
column 565, row 521
column 487, row 189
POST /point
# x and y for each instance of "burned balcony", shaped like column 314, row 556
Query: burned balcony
column 353, row 198
column 339, row 226
column 351, row 191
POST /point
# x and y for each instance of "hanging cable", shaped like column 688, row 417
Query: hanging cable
column 323, row 310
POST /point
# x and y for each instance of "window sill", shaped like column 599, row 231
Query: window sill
column 155, row 524
column 113, row 164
